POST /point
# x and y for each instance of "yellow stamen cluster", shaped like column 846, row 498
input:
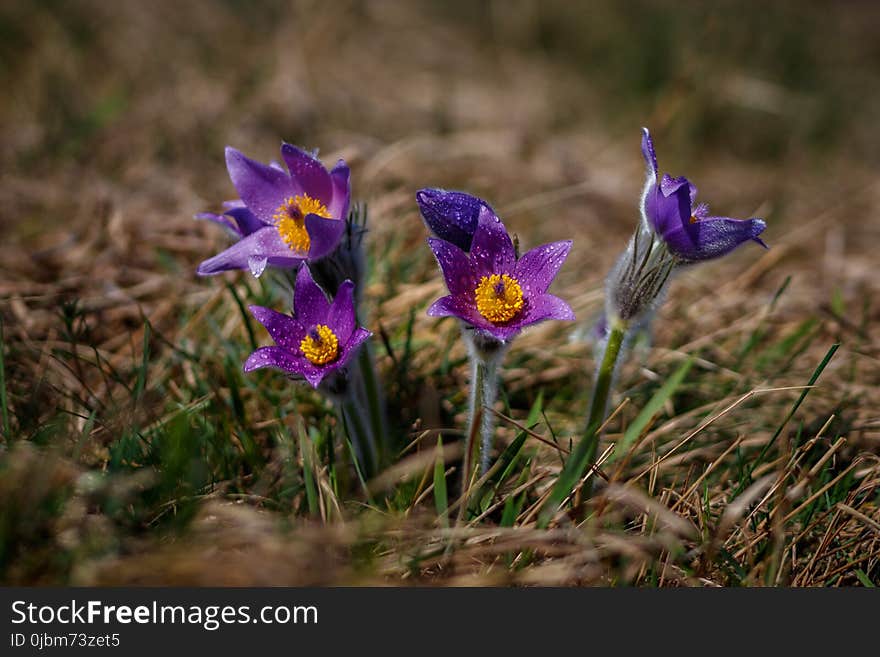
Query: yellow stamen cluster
column 320, row 346
column 499, row 298
column 290, row 217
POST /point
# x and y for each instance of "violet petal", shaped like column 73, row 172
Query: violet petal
column 455, row 265
column 262, row 188
column 450, row 215
column 341, row 317
column 668, row 212
column 492, row 250
column 712, row 237
column 340, row 179
column 349, row 349
column 310, row 303
column 277, row 357
column 546, row 306
column 221, row 219
column 537, row 268
column 285, row 330
column 648, row 152
column 308, row 171
column 264, row 243
column 324, row 235
column 246, row 220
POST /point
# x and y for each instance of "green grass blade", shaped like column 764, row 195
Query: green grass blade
column 654, row 406
column 815, row 377
column 864, row 579
column 246, row 316
column 145, row 358
column 441, row 499
column 305, row 450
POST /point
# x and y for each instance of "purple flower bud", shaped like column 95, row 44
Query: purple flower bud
column 688, row 231
column 451, row 216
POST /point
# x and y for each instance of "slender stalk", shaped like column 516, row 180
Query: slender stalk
column 352, row 415
column 487, row 422
column 475, row 418
column 601, row 393
column 375, row 406
column 585, row 452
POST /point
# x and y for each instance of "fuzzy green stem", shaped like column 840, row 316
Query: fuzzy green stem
column 599, row 402
column 375, row 407
column 584, row 454
column 352, row 415
column 473, row 435
column 487, row 422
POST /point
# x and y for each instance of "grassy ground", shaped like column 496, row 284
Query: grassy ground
column 134, row 450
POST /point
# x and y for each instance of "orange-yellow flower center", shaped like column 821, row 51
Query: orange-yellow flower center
column 499, row 298
column 320, row 346
column 290, row 217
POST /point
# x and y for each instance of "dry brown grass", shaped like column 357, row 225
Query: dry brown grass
column 113, row 139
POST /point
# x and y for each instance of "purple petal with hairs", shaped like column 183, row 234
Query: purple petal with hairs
column 455, row 265
column 357, row 338
column 222, row 220
column 340, row 179
column 712, row 237
column 264, row 243
column 544, row 307
column 308, row 171
column 324, row 235
column 284, row 329
column 342, row 313
column 450, row 215
column 262, row 188
column 492, row 250
column 537, row 268
column 310, row 304
column 648, row 152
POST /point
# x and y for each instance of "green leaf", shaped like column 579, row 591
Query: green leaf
column 441, row 501
column 654, row 406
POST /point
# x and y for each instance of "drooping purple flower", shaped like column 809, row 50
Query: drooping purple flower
column 490, row 289
column 689, row 232
column 450, row 215
column 320, row 337
column 283, row 217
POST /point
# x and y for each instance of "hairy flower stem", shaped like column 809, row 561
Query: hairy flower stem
column 584, row 453
column 599, row 401
column 353, row 418
column 485, row 355
column 374, row 404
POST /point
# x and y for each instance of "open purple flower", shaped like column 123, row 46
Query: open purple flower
column 319, row 339
column 451, row 216
column 490, row 289
column 688, row 231
column 283, row 218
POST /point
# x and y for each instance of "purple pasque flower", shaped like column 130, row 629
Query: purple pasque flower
column 690, row 234
column 490, row 289
column 320, row 337
column 283, row 217
column 451, row 215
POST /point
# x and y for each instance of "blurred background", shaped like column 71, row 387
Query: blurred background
column 115, row 116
